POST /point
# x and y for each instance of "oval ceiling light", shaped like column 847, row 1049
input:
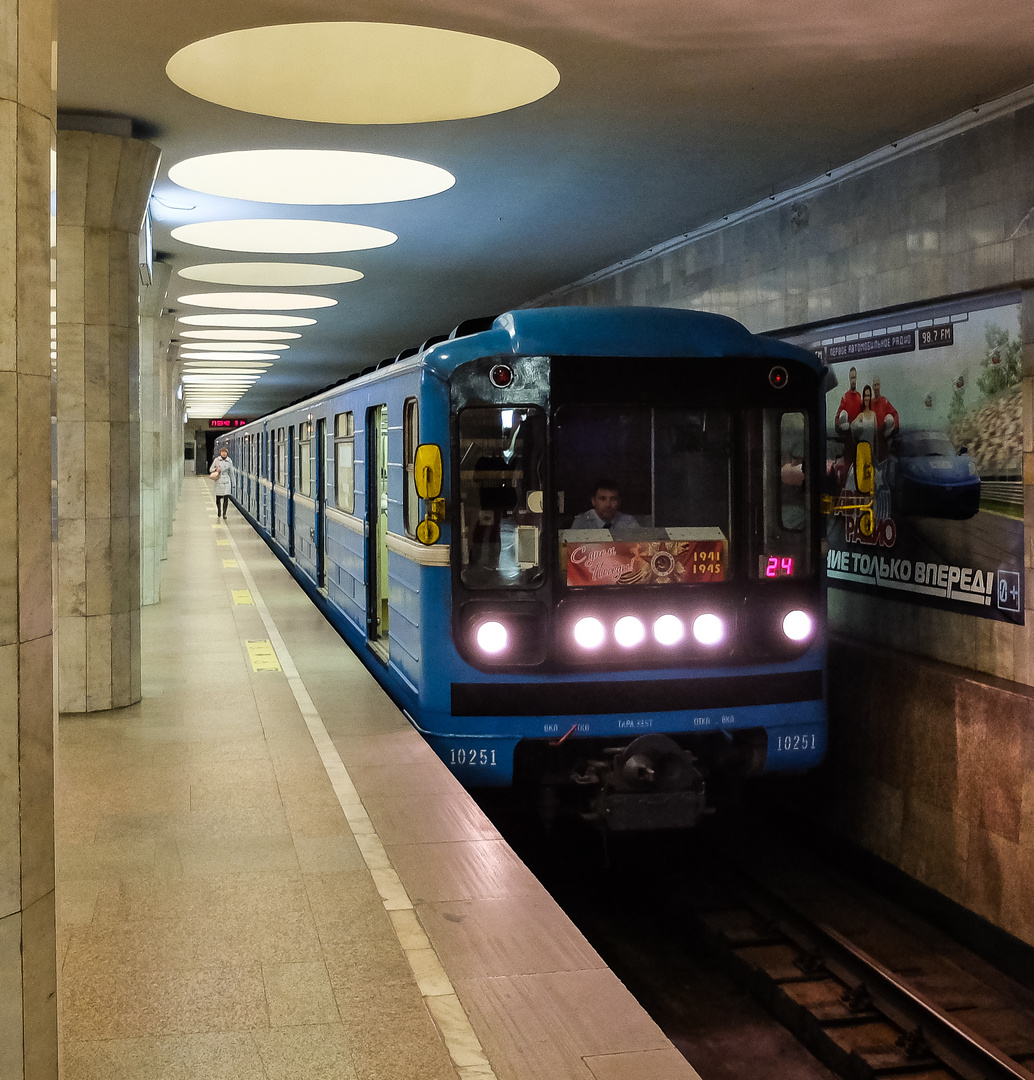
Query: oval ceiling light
column 234, row 346
column 271, row 273
column 257, row 301
column 311, row 177
column 222, row 356
column 240, row 335
column 362, row 73
column 283, row 236
column 257, row 320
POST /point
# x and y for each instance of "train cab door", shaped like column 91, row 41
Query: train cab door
column 377, row 529
column 289, row 480
column 320, row 538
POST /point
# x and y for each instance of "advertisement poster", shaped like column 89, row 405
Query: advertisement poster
column 935, row 391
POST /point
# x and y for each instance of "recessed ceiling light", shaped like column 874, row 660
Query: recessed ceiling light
column 258, row 301
column 212, row 319
column 235, row 346
column 222, row 356
column 286, row 236
column 240, row 335
column 311, row 177
column 270, row 273
column 362, row 73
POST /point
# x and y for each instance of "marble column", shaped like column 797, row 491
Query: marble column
column 153, row 439
column 28, row 969
column 103, row 183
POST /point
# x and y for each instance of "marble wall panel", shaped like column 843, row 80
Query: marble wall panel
column 35, row 140
column 98, row 662
column 97, row 466
column 122, row 659
column 97, row 361
column 9, row 51
column 8, row 515
column 39, row 989
column 70, row 557
column 100, row 567
column 71, row 476
column 10, row 842
column 36, row 766
column 11, row 1059
column 35, row 77
column 71, row 662
column 8, row 229
column 97, row 246
column 102, row 179
column 71, row 387
column 35, row 555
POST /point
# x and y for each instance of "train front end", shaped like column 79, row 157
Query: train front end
column 637, row 596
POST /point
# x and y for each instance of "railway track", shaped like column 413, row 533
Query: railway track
column 854, row 1013
column 870, row 989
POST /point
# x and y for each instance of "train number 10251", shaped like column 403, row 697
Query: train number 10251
column 790, row 744
column 473, row 756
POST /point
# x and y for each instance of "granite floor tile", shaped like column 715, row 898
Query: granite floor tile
column 508, row 936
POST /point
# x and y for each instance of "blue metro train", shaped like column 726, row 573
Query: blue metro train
column 580, row 547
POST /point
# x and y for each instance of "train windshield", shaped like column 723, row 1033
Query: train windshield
column 644, row 495
column 502, row 455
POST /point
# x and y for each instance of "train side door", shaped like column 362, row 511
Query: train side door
column 377, row 529
column 274, row 479
column 290, row 491
column 321, row 503
column 264, row 489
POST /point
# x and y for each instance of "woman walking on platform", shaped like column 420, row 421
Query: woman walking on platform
column 222, row 473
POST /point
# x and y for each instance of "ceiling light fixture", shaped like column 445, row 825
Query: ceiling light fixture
column 361, row 73
column 220, row 356
column 240, row 335
column 235, row 346
column 283, row 236
column 256, row 320
column 258, row 301
column 311, row 177
column 270, row 273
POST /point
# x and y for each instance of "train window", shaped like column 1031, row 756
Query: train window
column 778, row 492
column 502, row 458
column 280, row 476
column 306, row 459
column 344, row 461
column 643, row 495
column 410, row 441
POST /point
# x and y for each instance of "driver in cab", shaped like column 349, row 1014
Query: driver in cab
column 606, row 510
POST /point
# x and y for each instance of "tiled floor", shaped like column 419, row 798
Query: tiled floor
column 267, row 874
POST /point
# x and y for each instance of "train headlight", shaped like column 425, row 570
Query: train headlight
column 589, row 633
column 668, row 630
column 708, row 629
column 492, row 637
column 798, row 625
column 629, row 631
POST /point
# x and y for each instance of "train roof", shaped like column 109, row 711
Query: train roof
column 585, row 331
column 616, row 331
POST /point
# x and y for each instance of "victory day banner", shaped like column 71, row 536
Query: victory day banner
column 935, row 391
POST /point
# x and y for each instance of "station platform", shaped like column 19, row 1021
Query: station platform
column 265, row 874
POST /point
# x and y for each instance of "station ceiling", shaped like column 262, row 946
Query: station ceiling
column 668, row 115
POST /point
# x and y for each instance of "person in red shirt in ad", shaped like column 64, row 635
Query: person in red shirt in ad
column 887, row 420
column 850, row 405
